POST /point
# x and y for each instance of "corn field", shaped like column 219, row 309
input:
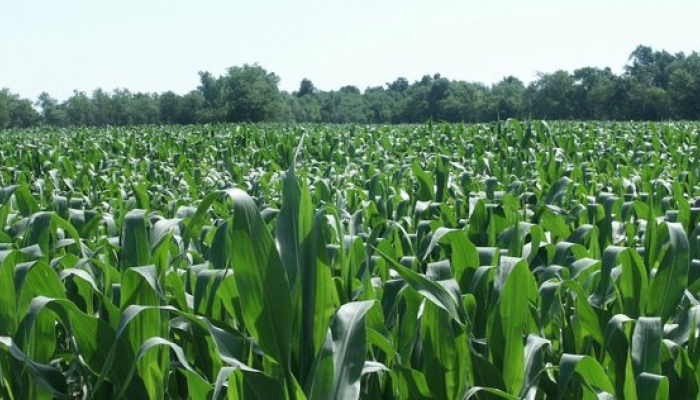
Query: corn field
column 499, row 261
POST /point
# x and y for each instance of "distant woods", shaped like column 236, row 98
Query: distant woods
column 655, row 85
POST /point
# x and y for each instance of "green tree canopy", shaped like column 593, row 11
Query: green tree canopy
column 15, row 111
column 655, row 85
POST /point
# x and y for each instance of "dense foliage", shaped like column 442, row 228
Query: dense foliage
column 655, row 85
column 510, row 260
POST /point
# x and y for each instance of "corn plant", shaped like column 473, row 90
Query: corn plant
column 494, row 261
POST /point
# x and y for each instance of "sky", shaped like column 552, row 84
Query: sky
column 159, row 45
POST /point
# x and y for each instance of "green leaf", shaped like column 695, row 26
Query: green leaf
column 535, row 352
column 652, row 387
column 514, row 286
column 294, row 224
column 47, row 376
column 671, row 276
column 248, row 383
column 633, row 284
column 320, row 381
column 265, row 295
column 299, row 239
column 646, row 346
column 8, row 297
column 426, row 186
column 412, row 384
column 342, row 355
column 135, row 250
column 154, row 343
column 427, row 288
column 445, row 352
column 618, row 339
column 499, row 394
column 557, row 190
column 96, row 342
column 350, row 349
column 586, row 368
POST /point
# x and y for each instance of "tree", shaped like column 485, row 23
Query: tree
column 466, row 102
column 684, row 87
column 80, row 109
column 144, row 108
column 250, row 94
column 552, row 96
column 211, row 90
column 306, row 88
column 414, row 102
column 650, row 67
column 52, row 112
column 16, row 112
column 508, row 98
column 192, row 106
column 306, row 108
column 646, row 103
column 438, row 91
column 343, row 106
column 655, row 85
column 350, row 107
column 593, row 88
column 170, row 106
column 380, row 104
column 102, row 108
column 400, row 85
column 118, row 107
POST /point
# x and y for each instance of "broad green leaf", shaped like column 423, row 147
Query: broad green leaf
column 265, row 293
column 652, row 387
column 426, row 186
column 671, row 276
column 135, row 250
column 585, row 368
column 646, row 345
column 338, row 367
column 514, row 287
column 412, row 384
column 47, row 376
column 429, row 289
column 618, row 340
column 445, row 351
column 535, row 352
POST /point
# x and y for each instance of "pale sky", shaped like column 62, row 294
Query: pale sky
column 158, row 45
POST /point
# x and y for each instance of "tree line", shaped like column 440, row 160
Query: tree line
column 655, row 85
